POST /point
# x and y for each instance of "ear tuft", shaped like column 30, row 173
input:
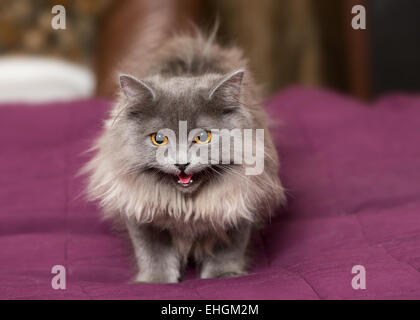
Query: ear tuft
column 134, row 88
column 229, row 86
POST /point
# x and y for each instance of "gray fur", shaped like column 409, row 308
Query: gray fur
column 228, row 259
column 194, row 80
column 155, row 253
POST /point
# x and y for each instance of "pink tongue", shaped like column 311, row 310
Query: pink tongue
column 184, row 178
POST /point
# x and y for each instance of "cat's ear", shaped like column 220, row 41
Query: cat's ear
column 230, row 86
column 134, row 88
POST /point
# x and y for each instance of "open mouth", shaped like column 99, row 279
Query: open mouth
column 185, row 180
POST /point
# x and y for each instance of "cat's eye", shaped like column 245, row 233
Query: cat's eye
column 203, row 137
column 159, row 139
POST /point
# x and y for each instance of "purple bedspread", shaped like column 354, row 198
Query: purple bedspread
column 353, row 180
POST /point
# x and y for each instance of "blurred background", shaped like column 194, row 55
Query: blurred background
column 288, row 42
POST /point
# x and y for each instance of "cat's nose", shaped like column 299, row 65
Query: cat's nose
column 182, row 166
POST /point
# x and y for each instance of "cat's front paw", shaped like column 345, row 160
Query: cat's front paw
column 209, row 273
column 143, row 277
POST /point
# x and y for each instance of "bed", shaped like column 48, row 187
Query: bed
column 352, row 174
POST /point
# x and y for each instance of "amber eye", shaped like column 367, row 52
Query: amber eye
column 203, row 137
column 159, row 139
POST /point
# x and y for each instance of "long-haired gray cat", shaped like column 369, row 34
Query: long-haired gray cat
column 181, row 209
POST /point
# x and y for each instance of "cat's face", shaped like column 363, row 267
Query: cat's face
column 171, row 125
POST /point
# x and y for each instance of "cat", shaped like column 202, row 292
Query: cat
column 177, row 210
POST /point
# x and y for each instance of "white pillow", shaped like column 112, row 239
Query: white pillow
column 35, row 79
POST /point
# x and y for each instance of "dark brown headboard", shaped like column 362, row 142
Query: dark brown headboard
column 125, row 24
